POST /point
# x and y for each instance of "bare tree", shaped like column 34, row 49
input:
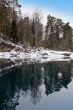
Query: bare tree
column 38, row 27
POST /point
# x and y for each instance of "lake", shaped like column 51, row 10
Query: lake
column 35, row 86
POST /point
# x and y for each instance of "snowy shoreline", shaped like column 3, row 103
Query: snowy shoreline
column 37, row 55
column 17, row 58
column 21, row 53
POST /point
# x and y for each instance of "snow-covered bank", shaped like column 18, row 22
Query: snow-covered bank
column 37, row 55
column 13, row 52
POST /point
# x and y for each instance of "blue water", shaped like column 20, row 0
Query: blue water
column 47, row 86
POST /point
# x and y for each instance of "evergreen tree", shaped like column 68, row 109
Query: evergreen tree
column 58, row 34
column 14, row 31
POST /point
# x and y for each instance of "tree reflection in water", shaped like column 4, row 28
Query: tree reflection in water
column 27, row 79
column 52, row 80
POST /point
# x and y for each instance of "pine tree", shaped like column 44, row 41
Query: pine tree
column 14, row 31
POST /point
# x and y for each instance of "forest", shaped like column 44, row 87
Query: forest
column 56, row 35
column 36, row 55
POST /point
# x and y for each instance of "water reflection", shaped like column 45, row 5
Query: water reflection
column 27, row 80
column 57, row 75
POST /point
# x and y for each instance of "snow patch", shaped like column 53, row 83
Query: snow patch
column 37, row 55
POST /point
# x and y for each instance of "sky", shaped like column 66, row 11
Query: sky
column 62, row 9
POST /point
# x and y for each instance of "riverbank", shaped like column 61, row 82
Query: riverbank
column 36, row 55
column 18, row 52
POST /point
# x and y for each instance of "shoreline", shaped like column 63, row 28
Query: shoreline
column 36, row 55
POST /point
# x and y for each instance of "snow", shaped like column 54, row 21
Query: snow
column 61, row 35
column 37, row 55
column 71, row 56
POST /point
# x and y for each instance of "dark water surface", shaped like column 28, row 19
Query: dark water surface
column 47, row 86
